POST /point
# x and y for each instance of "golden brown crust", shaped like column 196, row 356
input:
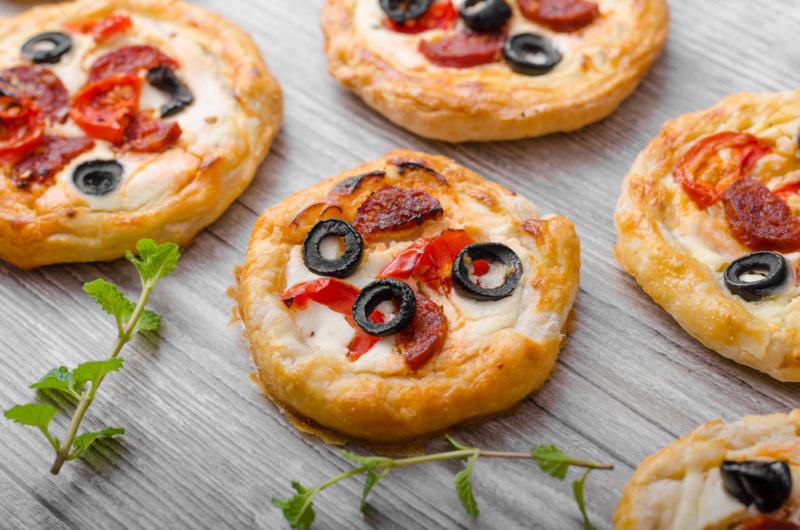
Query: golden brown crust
column 491, row 102
column 57, row 225
column 467, row 379
column 652, row 210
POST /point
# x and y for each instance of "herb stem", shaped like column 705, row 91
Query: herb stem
column 466, row 453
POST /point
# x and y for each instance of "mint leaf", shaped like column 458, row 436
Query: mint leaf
column 95, row 370
column 456, row 445
column 34, row 415
column 577, row 490
column 552, row 460
column 111, row 299
column 149, row 321
column 463, row 483
column 154, row 261
column 372, row 479
column 81, row 443
column 299, row 510
column 58, row 379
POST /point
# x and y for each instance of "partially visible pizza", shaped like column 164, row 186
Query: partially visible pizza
column 123, row 119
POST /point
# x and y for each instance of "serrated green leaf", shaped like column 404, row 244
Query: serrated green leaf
column 95, row 370
column 60, row 379
column 578, row 487
column 34, row 415
column 552, row 460
column 372, row 479
column 463, row 483
column 111, row 299
column 82, row 443
column 456, row 445
column 298, row 510
column 149, row 321
column 154, row 261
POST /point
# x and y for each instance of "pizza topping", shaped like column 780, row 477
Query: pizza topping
column 463, row 50
column 101, row 29
column 164, row 78
column 409, row 166
column 756, row 275
column 531, row 54
column 149, row 135
column 704, row 174
column 363, row 341
column 48, row 47
column 337, row 266
column 425, row 335
column 762, row 522
column 41, row 164
column 439, row 15
column 97, row 177
column 40, row 85
column 103, row 109
column 485, row 16
column 336, row 295
column 767, row 485
column 759, row 219
column 394, row 209
column 129, row 60
column 560, row 15
column 21, row 124
column 480, row 267
column 429, row 260
column 351, row 184
column 378, row 292
column 492, row 252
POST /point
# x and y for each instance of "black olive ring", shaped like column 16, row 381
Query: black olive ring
column 340, row 267
column 521, row 52
column 97, row 177
column 490, row 252
column 772, row 267
column 404, row 10
column 59, row 44
column 165, row 80
column 485, row 16
column 378, row 292
column 767, row 485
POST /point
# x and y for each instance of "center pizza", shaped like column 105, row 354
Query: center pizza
column 404, row 296
column 478, row 70
column 124, row 119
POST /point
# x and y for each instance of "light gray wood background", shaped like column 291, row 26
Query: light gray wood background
column 205, row 449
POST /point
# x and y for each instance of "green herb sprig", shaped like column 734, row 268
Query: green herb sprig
column 154, row 263
column 299, row 510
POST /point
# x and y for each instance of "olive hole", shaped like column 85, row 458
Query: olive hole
column 44, row 46
column 754, row 275
column 332, row 247
column 535, row 55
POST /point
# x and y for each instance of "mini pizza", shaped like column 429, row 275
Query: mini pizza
column 404, row 296
column 124, row 119
column 709, row 225
column 723, row 476
column 480, row 70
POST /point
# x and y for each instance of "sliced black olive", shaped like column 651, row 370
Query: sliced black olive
column 164, row 79
column 378, row 292
column 756, row 275
column 767, row 485
column 97, row 177
column 403, row 10
column 485, row 16
column 340, row 267
column 493, row 252
column 47, row 47
column 531, row 54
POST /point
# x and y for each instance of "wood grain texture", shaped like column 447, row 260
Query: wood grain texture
column 205, row 449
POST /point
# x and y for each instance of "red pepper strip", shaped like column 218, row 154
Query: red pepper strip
column 429, row 259
column 103, row 28
column 746, row 150
column 480, row 267
column 441, row 15
column 336, row 295
column 788, row 190
column 363, row 341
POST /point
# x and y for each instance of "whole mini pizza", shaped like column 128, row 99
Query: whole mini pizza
column 709, row 225
column 404, row 296
column 743, row 475
column 479, row 70
column 124, row 119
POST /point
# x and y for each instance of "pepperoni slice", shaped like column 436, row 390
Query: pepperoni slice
column 560, row 15
column 759, row 219
column 425, row 335
column 101, row 29
column 430, row 260
column 21, row 124
column 42, row 86
column 441, row 15
column 103, row 109
column 394, row 209
column 463, row 50
column 704, row 175
column 129, row 60
column 40, row 165
column 150, row 135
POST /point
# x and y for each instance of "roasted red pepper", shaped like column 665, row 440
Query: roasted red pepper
column 441, row 15
column 429, row 260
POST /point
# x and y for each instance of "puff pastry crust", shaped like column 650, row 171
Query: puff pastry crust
column 495, row 353
column 169, row 196
column 601, row 66
column 679, row 487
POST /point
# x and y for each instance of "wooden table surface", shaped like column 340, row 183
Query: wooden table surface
column 205, row 449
